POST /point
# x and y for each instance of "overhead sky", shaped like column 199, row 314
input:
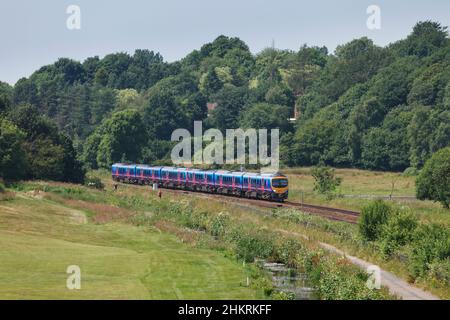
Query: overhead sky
column 34, row 33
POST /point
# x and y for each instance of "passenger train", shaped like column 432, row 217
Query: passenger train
column 264, row 186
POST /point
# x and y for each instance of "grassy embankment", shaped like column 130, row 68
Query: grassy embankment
column 247, row 235
column 339, row 234
column 40, row 238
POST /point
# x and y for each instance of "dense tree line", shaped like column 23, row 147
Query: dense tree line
column 366, row 106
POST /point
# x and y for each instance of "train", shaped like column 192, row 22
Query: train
column 264, row 186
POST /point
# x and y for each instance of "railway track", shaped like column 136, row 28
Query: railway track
column 327, row 212
column 335, row 214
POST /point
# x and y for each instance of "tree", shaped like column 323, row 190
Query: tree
column 428, row 131
column 90, row 149
column 49, row 154
column 426, row 38
column 123, row 136
column 354, row 62
column 266, row 116
column 13, row 164
column 5, row 96
column 73, row 170
column 325, row 181
column 387, row 147
column 433, row 182
column 163, row 114
column 46, row 159
column 210, row 82
column 230, row 101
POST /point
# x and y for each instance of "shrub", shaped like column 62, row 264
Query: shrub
column 431, row 243
column 410, row 172
column 2, row 187
column 439, row 272
column 218, row 224
column 325, row 180
column 287, row 251
column 373, row 217
column 254, row 245
column 398, row 231
column 94, row 182
column 433, row 183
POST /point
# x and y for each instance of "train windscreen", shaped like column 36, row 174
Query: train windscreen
column 280, row 183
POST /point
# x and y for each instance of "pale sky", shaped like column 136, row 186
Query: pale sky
column 34, row 33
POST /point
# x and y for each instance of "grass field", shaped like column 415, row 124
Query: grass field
column 42, row 234
column 39, row 239
column 365, row 183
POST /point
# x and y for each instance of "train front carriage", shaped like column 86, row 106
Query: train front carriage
column 279, row 187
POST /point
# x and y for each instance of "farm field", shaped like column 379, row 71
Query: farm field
column 39, row 239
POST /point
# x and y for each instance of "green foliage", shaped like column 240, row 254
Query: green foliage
column 362, row 106
column 13, row 163
column 253, row 245
column 439, row 272
column 266, row 116
column 335, row 279
column 94, row 182
column 431, row 244
column 219, row 224
column 373, row 218
column 325, row 181
column 433, row 181
column 426, row 38
column 287, row 252
column 123, row 134
column 231, row 101
column 5, row 96
column 398, row 231
column 410, row 172
column 163, row 114
column 48, row 153
column 428, row 132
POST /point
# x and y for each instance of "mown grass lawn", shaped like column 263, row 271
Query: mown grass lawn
column 39, row 239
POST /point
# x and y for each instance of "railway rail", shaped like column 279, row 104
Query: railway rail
column 330, row 213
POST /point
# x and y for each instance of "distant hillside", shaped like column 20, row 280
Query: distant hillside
column 362, row 106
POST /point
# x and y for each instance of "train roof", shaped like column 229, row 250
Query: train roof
column 124, row 165
column 220, row 172
column 174, row 168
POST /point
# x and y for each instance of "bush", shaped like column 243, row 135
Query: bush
column 431, row 244
column 94, row 182
column 254, row 245
column 2, row 187
column 439, row 273
column 287, row 251
column 398, row 231
column 433, row 183
column 373, row 217
column 218, row 224
column 410, row 172
column 325, row 180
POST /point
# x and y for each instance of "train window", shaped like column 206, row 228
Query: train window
column 280, row 183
